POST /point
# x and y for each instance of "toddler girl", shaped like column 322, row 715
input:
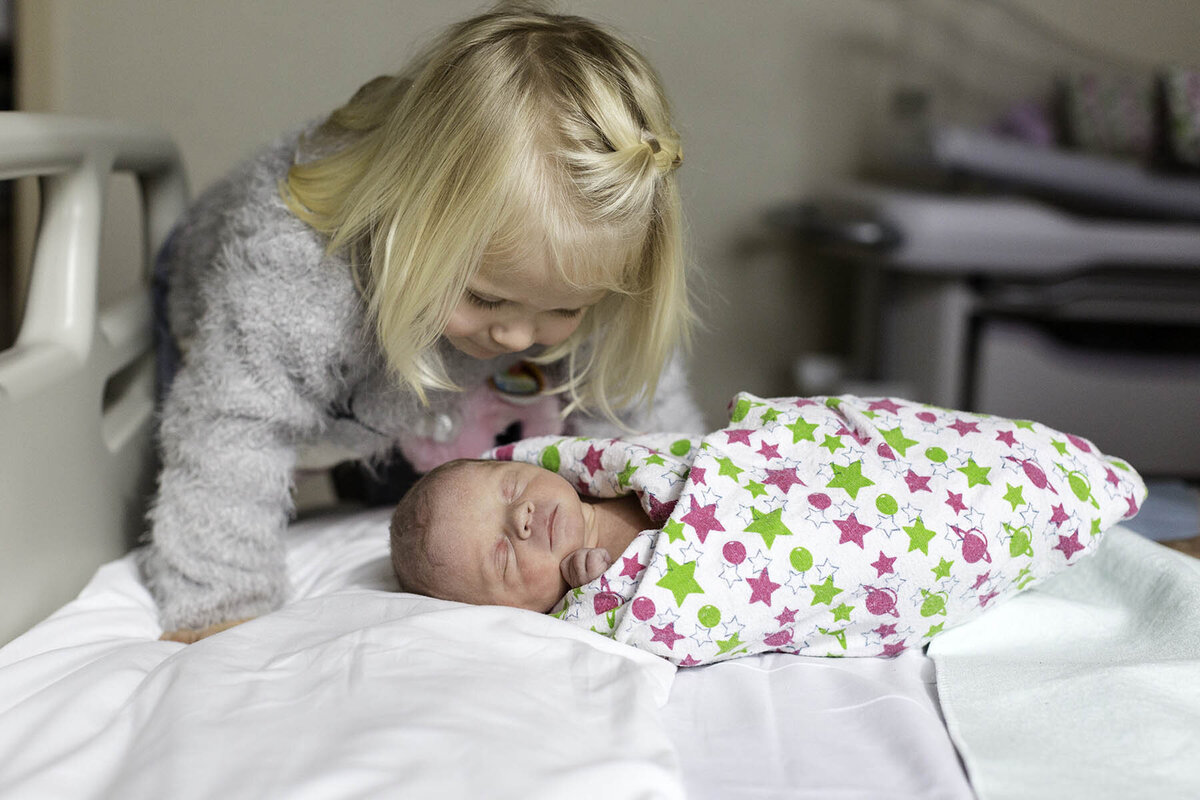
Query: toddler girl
column 379, row 279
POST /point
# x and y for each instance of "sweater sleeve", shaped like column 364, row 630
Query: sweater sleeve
column 674, row 410
column 228, row 435
column 263, row 328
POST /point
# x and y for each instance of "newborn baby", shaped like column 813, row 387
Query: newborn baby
column 836, row 526
column 506, row 533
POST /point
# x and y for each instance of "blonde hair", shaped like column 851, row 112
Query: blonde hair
column 519, row 131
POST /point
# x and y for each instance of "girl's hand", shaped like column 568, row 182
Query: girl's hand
column 585, row 565
column 190, row 635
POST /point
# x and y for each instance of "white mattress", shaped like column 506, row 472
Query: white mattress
column 353, row 690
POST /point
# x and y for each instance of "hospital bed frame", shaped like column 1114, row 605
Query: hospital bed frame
column 76, row 388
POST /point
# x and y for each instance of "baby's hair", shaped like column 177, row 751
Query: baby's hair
column 518, row 132
column 409, row 531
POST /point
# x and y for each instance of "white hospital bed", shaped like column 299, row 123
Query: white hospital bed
column 1087, row 687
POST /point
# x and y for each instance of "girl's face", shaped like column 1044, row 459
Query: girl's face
column 501, row 531
column 508, row 308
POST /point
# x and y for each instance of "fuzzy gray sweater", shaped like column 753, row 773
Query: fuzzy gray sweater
column 279, row 355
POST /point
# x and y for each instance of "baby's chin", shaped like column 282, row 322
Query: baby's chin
column 548, row 607
column 589, row 534
column 539, row 607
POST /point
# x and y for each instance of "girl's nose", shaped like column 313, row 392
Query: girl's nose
column 514, row 335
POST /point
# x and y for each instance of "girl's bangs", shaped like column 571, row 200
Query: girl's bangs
column 587, row 255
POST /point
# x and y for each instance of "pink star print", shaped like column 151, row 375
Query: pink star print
column 666, row 635
column 980, row 580
column 592, row 460
column 688, row 661
column 1133, row 506
column 884, row 405
column 787, row 616
column 1059, row 516
column 917, row 483
column 762, row 588
column 1069, row 545
column 963, row 427
column 739, row 436
column 631, row 567
column 885, row 631
column 955, row 501
column 883, row 564
column 1006, row 437
column 894, row 649
column 703, row 519
column 861, row 438
column 852, row 530
column 1111, row 477
column 660, row 511
column 769, row 451
column 984, row 599
column 779, row 638
column 697, row 476
column 1082, row 444
column 783, row 479
column 801, row 402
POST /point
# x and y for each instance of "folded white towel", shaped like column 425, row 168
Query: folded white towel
column 1086, row 686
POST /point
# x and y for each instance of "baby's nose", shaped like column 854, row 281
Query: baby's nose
column 524, row 520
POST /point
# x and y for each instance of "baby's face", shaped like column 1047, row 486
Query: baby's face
column 501, row 530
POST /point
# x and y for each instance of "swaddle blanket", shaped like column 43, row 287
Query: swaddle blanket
column 833, row 526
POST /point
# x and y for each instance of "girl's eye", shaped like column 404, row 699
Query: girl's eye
column 482, row 302
column 569, row 313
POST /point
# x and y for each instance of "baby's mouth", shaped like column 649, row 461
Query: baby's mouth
column 550, row 527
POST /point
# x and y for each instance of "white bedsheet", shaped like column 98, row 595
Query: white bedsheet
column 353, row 690
column 778, row 726
column 1086, row 686
column 356, row 693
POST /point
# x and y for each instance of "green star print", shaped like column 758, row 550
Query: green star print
column 849, row 478
column 680, row 580
column 768, row 525
column 919, row 536
column 824, row 592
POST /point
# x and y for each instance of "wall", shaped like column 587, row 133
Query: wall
column 773, row 99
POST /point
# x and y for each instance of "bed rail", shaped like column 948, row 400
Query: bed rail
column 77, row 386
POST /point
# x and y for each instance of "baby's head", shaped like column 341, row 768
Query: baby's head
column 490, row 533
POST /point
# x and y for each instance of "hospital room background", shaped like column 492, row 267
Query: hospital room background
column 786, row 109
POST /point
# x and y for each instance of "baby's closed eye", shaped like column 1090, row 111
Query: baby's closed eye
column 502, row 555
